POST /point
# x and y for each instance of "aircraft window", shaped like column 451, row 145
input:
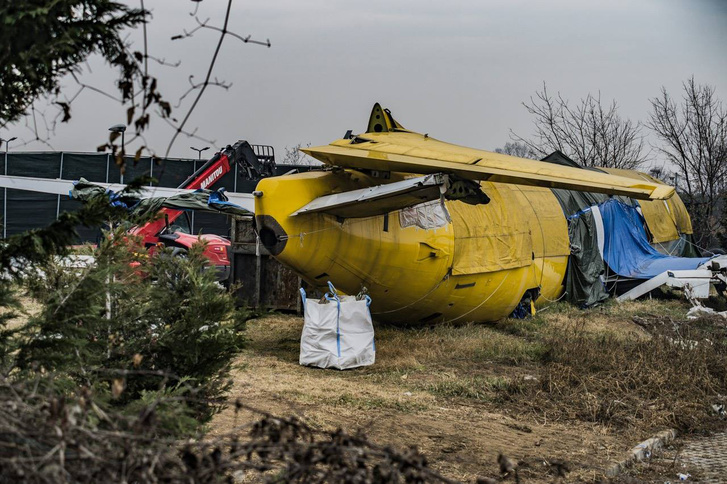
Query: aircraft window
column 427, row 215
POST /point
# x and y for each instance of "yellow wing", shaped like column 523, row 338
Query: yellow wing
column 393, row 148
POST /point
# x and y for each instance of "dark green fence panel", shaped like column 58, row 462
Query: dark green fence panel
column 172, row 173
column 28, row 210
column 91, row 166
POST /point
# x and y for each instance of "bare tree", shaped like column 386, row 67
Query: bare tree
column 693, row 137
column 589, row 133
column 294, row 156
column 519, row 149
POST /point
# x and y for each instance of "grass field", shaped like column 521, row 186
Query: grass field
column 566, row 385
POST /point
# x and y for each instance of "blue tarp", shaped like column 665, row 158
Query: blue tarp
column 626, row 247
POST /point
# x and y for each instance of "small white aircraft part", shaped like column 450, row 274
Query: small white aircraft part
column 697, row 280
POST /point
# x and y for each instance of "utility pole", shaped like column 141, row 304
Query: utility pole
column 5, row 190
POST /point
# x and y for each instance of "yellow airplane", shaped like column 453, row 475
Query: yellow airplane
column 436, row 232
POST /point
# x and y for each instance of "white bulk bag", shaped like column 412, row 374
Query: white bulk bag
column 337, row 334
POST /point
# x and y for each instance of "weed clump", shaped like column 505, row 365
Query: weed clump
column 640, row 384
column 486, row 389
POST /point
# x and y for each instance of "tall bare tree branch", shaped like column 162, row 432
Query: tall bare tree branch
column 203, row 87
column 693, row 137
column 588, row 132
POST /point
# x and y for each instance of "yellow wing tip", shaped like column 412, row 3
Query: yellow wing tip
column 321, row 153
column 662, row 192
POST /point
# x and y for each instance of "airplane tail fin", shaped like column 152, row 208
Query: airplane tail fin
column 381, row 121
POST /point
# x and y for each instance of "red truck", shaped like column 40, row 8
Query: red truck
column 173, row 228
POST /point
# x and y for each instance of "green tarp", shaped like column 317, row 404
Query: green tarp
column 199, row 200
column 583, row 284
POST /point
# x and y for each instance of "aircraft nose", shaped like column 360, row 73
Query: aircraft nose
column 272, row 235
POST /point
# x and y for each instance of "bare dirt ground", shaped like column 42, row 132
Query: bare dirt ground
column 437, row 389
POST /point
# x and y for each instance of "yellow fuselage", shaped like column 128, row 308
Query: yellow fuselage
column 473, row 264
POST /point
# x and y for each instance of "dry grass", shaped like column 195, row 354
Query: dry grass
column 420, row 363
column 611, row 317
column 271, row 365
column 582, row 386
column 454, row 391
column 451, row 346
column 636, row 385
column 600, row 366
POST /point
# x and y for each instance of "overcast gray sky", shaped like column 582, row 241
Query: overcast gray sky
column 456, row 69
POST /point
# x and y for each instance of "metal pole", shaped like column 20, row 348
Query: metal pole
column 123, row 158
column 5, row 190
column 5, row 197
column 258, row 271
column 194, row 170
column 58, row 202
